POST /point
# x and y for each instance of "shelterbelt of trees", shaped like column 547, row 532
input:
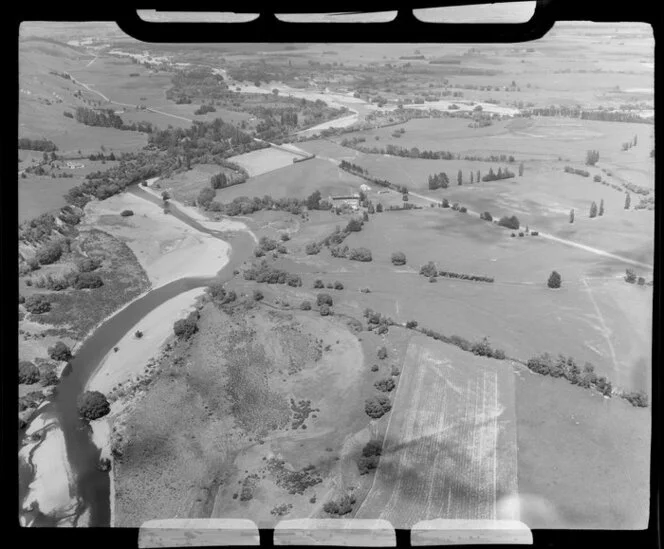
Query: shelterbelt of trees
column 167, row 150
column 107, row 118
column 600, row 114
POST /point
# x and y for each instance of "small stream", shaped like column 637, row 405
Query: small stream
column 93, row 486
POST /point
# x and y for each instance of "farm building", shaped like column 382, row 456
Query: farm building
column 75, row 165
column 365, row 188
column 350, row 200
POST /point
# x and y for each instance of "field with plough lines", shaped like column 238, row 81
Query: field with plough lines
column 450, row 446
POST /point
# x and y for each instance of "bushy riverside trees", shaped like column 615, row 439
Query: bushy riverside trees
column 186, row 327
column 60, row 351
column 92, row 405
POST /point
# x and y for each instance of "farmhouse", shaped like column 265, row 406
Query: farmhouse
column 74, row 165
column 350, row 200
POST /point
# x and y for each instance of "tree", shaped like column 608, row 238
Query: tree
column 305, row 306
column 324, row 299
column 471, row 177
column 60, row 352
column 377, row 406
column 628, row 201
column 165, row 196
column 593, row 210
column 385, row 385
column 509, row 222
column 218, row 181
column 601, row 207
column 206, row 196
column 398, row 258
column 521, row 169
column 592, row 157
column 28, row 373
column 360, row 254
column 571, row 215
column 382, row 353
column 459, row 178
column 379, row 208
column 630, row 276
column 186, row 327
column 127, row 213
column 555, row 280
column 325, row 310
column 92, row 405
column 478, row 176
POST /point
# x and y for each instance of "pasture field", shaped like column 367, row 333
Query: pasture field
column 264, row 160
column 517, row 312
column 543, row 138
column 583, row 461
column 442, row 457
column 296, row 180
column 38, row 195
column 185, row 186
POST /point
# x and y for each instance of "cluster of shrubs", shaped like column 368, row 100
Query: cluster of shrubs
column 360, row 254
column 266, row 244
column 631, row 278
column 377, row 406
column 49, row 253
column 37, row 304
column 385, row 385
column 486, row 216
column 220, row 295
column 431, row 272
column 336, row 285
column 509, row 222
column 126, row 213
column 203, row 109
column 264, row 273
column 566, row 367
column 370, row 456
column 474, row 278
column 584, row 173
column 483, row 348
column 378, row 322
column 28, row 373
column 186, row 327
column 341, row 506
column 313, row 248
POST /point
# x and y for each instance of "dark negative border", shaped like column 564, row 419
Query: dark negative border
column 404, row 29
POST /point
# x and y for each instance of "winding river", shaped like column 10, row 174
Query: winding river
column 92, row 487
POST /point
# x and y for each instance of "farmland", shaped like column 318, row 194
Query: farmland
column 450, row 447
column 372, row 347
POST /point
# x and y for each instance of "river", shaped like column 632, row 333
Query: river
column 92, row 486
